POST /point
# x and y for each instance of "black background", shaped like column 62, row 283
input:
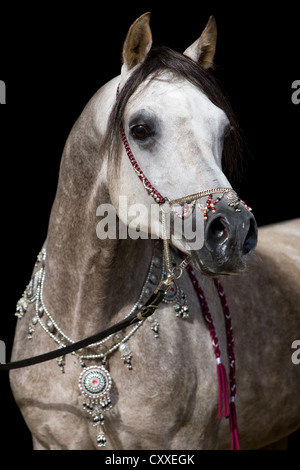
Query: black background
column 54, row 57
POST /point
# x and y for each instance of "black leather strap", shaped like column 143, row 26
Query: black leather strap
column 146, row 311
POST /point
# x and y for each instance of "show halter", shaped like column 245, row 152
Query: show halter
column 226, row 409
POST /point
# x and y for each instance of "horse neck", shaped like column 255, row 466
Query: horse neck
column 89, row 288
column 90, row 283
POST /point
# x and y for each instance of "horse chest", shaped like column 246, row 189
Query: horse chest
column 167, row 399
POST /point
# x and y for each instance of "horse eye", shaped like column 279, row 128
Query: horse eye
column 140, row 132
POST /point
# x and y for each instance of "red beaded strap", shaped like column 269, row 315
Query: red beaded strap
column 146, row 183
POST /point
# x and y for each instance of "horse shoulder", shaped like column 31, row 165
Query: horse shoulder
column 265, row 307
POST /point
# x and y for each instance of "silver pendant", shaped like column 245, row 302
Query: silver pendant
column 95, row 384
column 177, row 297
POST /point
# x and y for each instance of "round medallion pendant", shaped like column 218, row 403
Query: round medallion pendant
column 95, row 381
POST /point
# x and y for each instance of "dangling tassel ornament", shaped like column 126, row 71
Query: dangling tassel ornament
column 126, row 355
column 234, row 433
column 177, row 297
column 235, row 444
column 224, row 410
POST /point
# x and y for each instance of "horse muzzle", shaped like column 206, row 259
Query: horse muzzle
column 230, row 237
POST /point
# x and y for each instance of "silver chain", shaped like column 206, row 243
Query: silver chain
column 59, row 336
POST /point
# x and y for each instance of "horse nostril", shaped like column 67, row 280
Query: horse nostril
column 218, row 232
column 251, row 238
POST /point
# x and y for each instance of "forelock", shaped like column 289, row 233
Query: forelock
column 159, row 60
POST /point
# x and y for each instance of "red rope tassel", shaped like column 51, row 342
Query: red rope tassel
column 224, row 411
column 235, row 443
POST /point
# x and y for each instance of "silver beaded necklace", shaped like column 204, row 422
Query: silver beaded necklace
column 95, row 381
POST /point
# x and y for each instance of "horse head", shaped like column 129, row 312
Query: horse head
column 177, row 129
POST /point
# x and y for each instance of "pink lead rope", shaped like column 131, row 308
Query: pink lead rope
column 226, row 409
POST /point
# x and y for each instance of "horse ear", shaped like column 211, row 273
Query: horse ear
column 203, row 50
column 138, row 42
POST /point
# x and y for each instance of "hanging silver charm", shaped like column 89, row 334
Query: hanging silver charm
column 95, row 384
column 126, row 355
column 181, row 307
column 177, row 297
column 155, row 326
column 61, row 361
column 30, row 294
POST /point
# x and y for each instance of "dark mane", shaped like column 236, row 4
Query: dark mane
column 158, row 60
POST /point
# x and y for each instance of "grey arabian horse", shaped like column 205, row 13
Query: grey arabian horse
column 178, row 130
